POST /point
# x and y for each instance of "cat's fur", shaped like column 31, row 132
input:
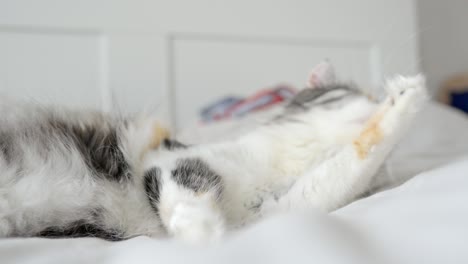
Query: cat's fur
column 77, row 174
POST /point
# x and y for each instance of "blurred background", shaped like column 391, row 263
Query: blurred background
column 181, row 56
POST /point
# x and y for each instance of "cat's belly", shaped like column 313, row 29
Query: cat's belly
column 257, row 191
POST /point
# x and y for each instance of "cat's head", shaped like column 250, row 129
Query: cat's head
column 328, row 99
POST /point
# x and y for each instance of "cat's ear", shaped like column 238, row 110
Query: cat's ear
column 322, row 74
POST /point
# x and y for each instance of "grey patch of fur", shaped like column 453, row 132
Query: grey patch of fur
column 319, row 96
column 7, row 146
column 98, row 145
column 81, row 228
column 255, row 205
column 195, row 174
column 45, row 133
column 152, row 182
column 171, row 144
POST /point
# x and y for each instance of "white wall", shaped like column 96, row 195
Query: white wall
column 181, row 54
column 443, row 27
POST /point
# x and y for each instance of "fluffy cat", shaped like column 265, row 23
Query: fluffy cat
column 72, row 174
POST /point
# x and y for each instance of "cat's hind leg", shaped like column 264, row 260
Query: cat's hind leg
column 347, row 174
column 195, row 220
column 189, row 202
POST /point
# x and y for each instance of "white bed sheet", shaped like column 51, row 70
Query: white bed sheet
column 424, row 220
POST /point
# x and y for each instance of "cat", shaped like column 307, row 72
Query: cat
column 74, row 174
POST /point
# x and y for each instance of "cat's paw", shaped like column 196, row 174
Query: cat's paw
column 196, row 223
column 406, row 97
column 407, row 93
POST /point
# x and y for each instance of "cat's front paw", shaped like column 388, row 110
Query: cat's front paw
column 408, row 93
column 406, row 97
column 196, row 223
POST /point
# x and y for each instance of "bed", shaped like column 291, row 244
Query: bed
column 421, row 216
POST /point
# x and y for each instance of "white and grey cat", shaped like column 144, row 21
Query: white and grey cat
column 72, row 174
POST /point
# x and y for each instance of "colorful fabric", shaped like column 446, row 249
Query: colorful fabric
column 235, row 107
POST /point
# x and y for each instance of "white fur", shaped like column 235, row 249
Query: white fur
column 311, row 161
column 292, row 165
